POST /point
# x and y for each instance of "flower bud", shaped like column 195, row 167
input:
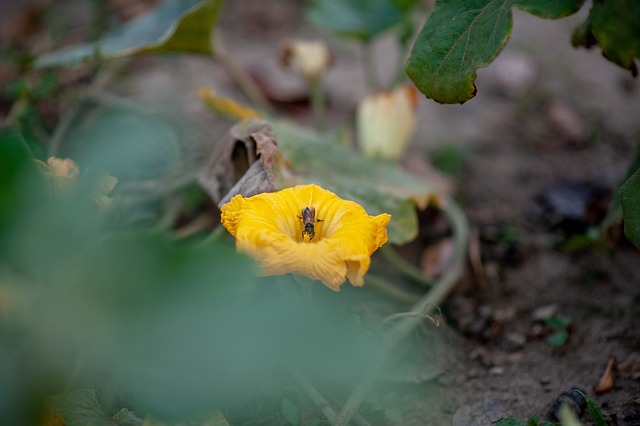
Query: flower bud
column 309, row 58
column 386, row 122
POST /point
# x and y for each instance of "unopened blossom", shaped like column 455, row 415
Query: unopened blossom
column 331, row 242
column 386, row 122
column 62, row 172
column 309, row 58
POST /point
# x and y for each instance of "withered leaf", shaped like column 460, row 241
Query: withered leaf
column 241, row 163
column 605, row 384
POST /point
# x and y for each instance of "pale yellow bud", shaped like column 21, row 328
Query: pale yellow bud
column 386, row 122
column 309, row 58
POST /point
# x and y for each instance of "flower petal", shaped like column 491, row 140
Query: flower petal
column 269, row 227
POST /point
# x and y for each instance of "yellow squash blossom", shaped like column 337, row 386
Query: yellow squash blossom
column 336, row 242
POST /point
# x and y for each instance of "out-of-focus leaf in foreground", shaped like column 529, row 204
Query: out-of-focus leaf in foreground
column 179, row 328
column 360, row 19
column 614, row 25
column 173, row 26
column 379, row 186
column 80, row 408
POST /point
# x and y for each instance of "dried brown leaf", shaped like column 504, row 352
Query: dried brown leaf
column 242, row 163
column 605, row 384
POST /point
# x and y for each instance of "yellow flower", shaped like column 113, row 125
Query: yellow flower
column 386, row 122
column 338, row 245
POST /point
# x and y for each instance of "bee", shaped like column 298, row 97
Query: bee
column 309, row 219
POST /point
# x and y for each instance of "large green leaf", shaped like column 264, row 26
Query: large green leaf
column 630, row 200
column 550, row 8
column 459, row 37
column 615, row 26
column 173, row 26
column 361, row 19
column 80, row 407
column 381, row 187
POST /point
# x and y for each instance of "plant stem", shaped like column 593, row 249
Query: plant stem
column 318, row 103
column 425, row 306
column 370, row 70
column 405, row 267
column 315, row 396
column 242, row 79
column 384, row 286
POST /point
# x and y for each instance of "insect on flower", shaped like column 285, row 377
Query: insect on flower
column 309, row 219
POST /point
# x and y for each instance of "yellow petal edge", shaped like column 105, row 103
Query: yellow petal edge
column 269, row 227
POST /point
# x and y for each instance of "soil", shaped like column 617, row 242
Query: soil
column 548, row 119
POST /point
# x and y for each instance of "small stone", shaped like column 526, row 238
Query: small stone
column 544, row 312
column 496, row 371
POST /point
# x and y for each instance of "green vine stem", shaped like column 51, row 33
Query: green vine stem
column 315, row 396
column 318, row 102
column 406, row 268
column 384, row 286
column 424, row 307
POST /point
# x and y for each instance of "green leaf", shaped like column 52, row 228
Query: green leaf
column 459, row 37
column 79, row 408
column 598, row 420
column 379, row 186
column 615, row 26
column 511, row 422
column 360, row 19
column 630, row 200
column 550, row 8
column 291, row 412
column 533, row 420
column 558, row 339
column 14, row 159
column 393, row 414
column 173, row 26
column 558, row 321
column 125, row 417
column 123, row 139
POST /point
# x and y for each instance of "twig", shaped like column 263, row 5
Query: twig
column 315, row 396
column 424, row 307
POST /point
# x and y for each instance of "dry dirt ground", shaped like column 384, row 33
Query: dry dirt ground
column 546, row 114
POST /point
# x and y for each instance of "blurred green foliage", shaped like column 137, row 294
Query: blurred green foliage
column 169, row 329
column 359, row 19
column 173, row 26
